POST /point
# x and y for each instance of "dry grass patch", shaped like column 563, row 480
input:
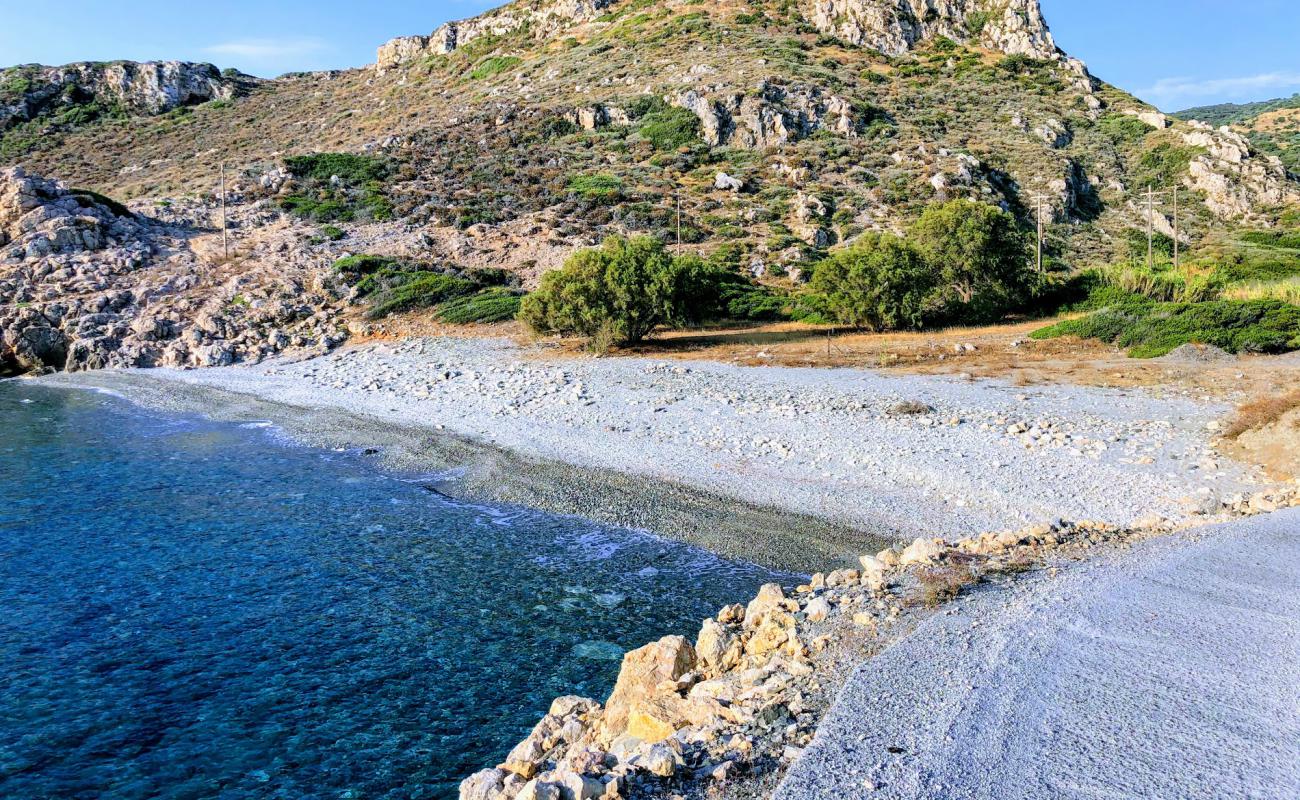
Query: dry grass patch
column 1258, row 414
column 937, row 585
column 911, row 408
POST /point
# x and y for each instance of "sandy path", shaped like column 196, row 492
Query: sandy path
column 1172, row 671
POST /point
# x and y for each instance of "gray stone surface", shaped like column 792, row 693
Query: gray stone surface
column 1171, row 671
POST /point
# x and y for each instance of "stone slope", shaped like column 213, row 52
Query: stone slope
column 87, row 284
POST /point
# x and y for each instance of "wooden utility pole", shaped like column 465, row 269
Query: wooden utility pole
column 1040, row 234
column 225, row 245
column 1175, row 226
column 1151, row 253
column 1039, row 199
column 679, row 219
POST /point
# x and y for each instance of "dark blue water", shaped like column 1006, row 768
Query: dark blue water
column 191, row 609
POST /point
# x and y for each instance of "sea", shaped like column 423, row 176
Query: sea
column 200, row 609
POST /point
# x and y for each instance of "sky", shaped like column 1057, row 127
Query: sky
column 1173, row 53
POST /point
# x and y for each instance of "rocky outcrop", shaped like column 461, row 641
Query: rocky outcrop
column 1236, row 182
column 890, row 26
column 896, row 26
column 140, row 88
column 86, row 284
column 769, row 116
column 542, row 21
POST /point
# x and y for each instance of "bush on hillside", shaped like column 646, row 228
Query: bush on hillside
column 497, row 304
column 622, row 291
column 880, row 283
column 338, row 187
column 670, row 129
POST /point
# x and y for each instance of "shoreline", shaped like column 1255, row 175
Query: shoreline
column 473, row 471
column 798, row 469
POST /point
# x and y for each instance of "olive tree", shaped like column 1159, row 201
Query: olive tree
column 977, row 254
column 622, row 291
column 879, row 283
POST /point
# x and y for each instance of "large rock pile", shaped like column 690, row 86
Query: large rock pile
column 894, row 27
column 86, row 284
column 542, row 20
column 1236, row 181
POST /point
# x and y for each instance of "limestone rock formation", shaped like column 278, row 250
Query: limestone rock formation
column 142, row 88
column 542, row 21
column 890, row 26
column 1236, row 181
column 896, row 26
column 87, row 284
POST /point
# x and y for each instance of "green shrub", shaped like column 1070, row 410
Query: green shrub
column 880, row 283
column 1151, row 329
column 332, row 233
column 408, row 290
column 645, row 104
column 1124, row 128
column 497, row 304
column 494, row 65
column 979, row 258
column 351, row 169
column 670, row 128
column 318, row 209
column 358, row 192
column 976, row 21
column 1164, row 165
column 598, row 188
column 86, row 197
column 1286, row 239
column 622, row 291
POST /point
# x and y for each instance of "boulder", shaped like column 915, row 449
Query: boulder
column 726, row 183
column 643, row 670
column 487, row 784
column 817, row 609
column 717, row 647
column 922, row 551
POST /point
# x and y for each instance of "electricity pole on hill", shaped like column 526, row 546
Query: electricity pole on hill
column 1150, row 228
column 1175, row 226
column 225, row 246
column 1039, row 199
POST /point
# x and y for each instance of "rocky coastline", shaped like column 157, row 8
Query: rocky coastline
column 687, row 719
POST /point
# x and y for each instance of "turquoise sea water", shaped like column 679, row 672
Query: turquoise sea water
column 191, row 609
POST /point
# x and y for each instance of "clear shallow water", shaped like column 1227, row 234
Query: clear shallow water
column 190, row 610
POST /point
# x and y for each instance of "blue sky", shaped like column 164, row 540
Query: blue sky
column 1174, row 53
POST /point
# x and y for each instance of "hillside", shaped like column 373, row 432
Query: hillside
column 1272, row 126
column 777, row 129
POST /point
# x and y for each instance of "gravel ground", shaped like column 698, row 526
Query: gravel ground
column 825, row 443
column 813, row 441
column 1168, row 671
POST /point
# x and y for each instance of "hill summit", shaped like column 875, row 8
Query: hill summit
column 893, row 28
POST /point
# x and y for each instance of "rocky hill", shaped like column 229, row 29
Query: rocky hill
column 779, row 130
column 37, row 100
column 1272, row 126
column 86, row 283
